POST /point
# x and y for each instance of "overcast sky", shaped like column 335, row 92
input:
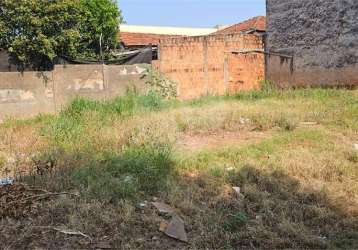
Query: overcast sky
column 190, row 13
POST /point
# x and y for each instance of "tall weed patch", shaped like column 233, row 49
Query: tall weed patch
column 138, row 170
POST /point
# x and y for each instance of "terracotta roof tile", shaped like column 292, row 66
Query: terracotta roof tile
column 258, row 23
column 140, row 39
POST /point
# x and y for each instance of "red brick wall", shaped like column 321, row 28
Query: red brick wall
column 197, row 64
column 245, row 71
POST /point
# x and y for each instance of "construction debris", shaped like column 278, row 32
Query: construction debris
column 237, row 190
column 163, row 226
column 163, row 208
column 175, row 229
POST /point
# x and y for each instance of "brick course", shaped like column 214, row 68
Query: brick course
column 205, row 65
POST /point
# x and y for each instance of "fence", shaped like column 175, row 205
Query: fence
column 30, row 93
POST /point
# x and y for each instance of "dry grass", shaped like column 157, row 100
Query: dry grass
column 298, row 180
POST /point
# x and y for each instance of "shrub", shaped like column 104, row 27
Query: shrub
column 160, row 84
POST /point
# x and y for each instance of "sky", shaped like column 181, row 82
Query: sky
column 189, row 13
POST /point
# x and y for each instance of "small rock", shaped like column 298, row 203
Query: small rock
column 356, row 146
column 143, row 205
column 176, row 229
column 237, row 189
column 163, row 208
column 155, row 199
column 155, row 238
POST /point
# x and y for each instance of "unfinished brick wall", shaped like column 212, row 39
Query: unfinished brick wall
column 204, row 65
column 245, row 71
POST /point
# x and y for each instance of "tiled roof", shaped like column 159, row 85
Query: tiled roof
column 140, row 39
column 257, row 23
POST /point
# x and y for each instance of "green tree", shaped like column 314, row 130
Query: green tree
column 35, row 32
column 100, row 31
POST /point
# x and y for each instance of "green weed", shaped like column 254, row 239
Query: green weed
column 134, row 172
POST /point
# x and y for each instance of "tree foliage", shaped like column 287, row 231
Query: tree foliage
column 35, row 32
column 101, row 28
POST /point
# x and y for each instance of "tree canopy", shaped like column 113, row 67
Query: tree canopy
column 101, row 28
column 35, row 32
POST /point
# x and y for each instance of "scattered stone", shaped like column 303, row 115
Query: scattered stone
column 155, row 238
column 143, row 205
column 356, row 146
column 237, row 190
column 155, row 199
column 176, row 229
column 163, row 208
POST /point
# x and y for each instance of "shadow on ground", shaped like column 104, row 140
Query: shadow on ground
column 272, row 211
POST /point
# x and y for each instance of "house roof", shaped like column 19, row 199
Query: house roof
column 162, row 30
column 136, row 35
column 256, row 23
column 140, row 39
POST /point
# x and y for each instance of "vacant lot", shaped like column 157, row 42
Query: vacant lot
column 293, row 154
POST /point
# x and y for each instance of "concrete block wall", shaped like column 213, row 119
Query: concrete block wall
column 30, row 93
column 197, row 64
column 26, row 94
column 320, row 35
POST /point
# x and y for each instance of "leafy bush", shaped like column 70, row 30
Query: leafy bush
column 160, row 84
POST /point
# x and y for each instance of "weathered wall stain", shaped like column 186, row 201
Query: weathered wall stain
column 30, row 93
column 16, row 95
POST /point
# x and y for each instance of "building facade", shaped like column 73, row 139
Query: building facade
column 312, row 42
